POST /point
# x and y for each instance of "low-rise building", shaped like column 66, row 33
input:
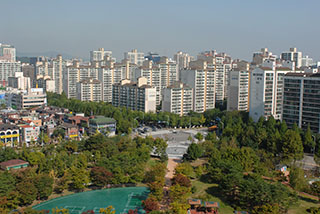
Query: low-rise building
column 24, row 99
column 9, row 135
column 104, row 125
column 13, row 164
column 29, row 134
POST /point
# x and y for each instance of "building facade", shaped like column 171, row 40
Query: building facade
column 178, row 99
column 89, row 90
column 239, row 84
column 134, row 57
column 294, row 56
column 301, row 100
column 137, row 96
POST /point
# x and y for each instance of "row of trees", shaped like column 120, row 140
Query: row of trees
column 126, row 118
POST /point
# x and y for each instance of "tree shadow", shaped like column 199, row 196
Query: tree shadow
column 306, row 199
column 205, row 178
column 215, row 192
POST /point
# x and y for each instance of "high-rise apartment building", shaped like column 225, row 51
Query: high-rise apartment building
column 8, row 69
column 89, row 90
column 100, row 55
column 294, row 56
column 134, row 57
column 239, row 84
column 201, row 79
column 159, row 75
column 7, row 53
column 137, row 96
column 19, row 81
column 306, row 61
column 301, row 100
column 266, row 90
column 263, row 55
column 182, row 60
column 178, row 99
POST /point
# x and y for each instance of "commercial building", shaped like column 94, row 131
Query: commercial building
column 178, row 99
column 89, row 90
column 202, row 80
column 104, row 125
column 137, row 96
column 294, row 56
column 23, row 99
column 134, row 57
column 9, row 135
column 301, row 100
column 29, row 134
column 239, row 84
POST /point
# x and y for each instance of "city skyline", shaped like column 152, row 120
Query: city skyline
column 77, row 27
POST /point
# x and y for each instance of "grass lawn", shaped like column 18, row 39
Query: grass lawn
column 203, row 189
column 302, row 205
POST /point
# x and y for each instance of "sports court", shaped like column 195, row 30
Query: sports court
column 122, row 199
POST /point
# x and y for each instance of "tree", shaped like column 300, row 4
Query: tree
column 100, row 176
column 27, row 192
column 292, row 148
column 79, row 178
column 199, row 136
column 44, row 185
column 179, row 208
column 297, row 179
column 194, row 151
column 150, row 204
column 179, row 193
column 308, row 143
column 7, row 183
column 185, row 169
column 315, row 187
column 182, row 180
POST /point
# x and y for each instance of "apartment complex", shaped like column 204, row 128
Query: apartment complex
column 262, row 55
column 137, row 96
column 178, row 99
column 239, row 84
column 18, row 81
column 89, row 90
column 8, row 69
column 301, row 100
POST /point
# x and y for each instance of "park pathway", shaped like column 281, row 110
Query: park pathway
column 172, row 164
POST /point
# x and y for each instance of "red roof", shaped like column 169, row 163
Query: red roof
column 14, row 162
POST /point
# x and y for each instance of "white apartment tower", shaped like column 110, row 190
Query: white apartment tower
column 182, row 60
column 89, row 90
column 294, row 56
column 7, row 53
column 238, row 97
column 100, row 55
column 202, row 81
column 178, row 99
column 134, row 57
column 266, row 90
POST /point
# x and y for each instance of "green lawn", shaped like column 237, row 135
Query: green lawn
column 204, row 190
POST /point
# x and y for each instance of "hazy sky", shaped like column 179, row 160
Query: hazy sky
column 237, row 27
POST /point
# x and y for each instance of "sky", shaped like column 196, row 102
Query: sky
column 236, row 27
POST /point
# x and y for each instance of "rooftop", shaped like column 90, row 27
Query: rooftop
column 99, row 120
column 14, row 162
column 7, row 126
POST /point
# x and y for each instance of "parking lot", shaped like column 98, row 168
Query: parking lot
column 177, row 139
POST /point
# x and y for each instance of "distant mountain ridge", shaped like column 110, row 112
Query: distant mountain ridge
column 47, row 53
